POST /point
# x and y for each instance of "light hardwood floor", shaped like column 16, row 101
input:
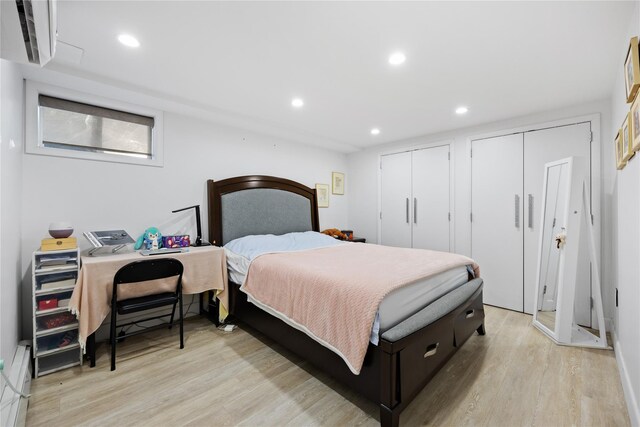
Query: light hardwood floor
column 513, row 376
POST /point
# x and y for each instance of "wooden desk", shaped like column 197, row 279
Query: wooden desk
column 205, row 269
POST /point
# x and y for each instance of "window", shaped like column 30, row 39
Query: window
column 77, row 125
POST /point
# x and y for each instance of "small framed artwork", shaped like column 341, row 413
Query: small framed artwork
column 632, row 70
column 626, row 142
column 635, row 125
column 620, row 164
column 322, row 193
column 337, row 183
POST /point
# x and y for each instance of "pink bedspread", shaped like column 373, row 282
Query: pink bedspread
column 333, row 293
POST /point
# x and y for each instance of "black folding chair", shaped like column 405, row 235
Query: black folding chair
column 143, row 271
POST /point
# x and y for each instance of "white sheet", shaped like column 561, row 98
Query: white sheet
column 395, row 307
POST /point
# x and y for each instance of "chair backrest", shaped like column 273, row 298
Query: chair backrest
column 149, row 269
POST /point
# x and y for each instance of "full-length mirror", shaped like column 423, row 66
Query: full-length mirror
column 553, row 228
column 566, row 228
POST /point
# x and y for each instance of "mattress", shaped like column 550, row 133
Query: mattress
column 397, row 306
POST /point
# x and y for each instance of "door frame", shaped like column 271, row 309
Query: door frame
column 596, row 177
column 415, row 147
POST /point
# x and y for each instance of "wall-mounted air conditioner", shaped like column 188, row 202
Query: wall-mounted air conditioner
column 28, row 31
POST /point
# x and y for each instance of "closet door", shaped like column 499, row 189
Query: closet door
column 430, row 202
column 395, row 200
column 541, row 147
column 496, row 226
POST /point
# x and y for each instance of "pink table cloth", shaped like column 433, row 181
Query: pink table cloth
column 205, row 268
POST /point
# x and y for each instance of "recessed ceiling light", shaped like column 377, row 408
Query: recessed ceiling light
column 397, row 58
column 128, row 40
column 375, row 131
column 297, row 102
column 461, row 110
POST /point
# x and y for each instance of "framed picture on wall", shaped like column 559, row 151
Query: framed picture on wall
column 635, row 124
column 337, row 183
column 632, row 70
column 620, row 164
column 627, row 151
column 322, row 193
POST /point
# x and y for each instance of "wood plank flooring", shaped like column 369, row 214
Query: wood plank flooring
column 513, row 376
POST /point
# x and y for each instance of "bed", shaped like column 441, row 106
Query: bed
column 407, row 355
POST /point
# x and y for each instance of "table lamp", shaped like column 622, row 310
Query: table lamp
column 198, row 241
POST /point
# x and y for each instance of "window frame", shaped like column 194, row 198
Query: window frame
column 33, row 130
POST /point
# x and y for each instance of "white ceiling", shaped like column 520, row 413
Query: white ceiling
column 249, row 59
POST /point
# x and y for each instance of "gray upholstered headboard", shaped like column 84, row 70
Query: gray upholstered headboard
column 259, row 205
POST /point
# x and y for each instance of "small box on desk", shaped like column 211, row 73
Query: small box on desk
column 176, row 241
column 58, row 244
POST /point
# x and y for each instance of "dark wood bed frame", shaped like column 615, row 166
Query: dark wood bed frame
column 393, row 372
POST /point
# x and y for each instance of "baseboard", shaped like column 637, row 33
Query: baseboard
column 14, row 407
column 629, row 394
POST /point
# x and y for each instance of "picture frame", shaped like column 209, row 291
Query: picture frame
column 620, row 164
column 337, row 183
column 626, row 139
column 632, row 70
column 635, row 124
column 322, row 195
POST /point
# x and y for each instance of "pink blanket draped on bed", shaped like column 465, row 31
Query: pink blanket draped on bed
column 333, row 293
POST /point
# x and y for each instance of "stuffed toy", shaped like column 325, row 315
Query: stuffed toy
column 334, row 232
column 150, row 239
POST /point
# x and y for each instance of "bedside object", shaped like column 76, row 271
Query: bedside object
column 348, row 234
column 358, row 240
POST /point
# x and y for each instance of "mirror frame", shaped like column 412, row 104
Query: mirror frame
column 566, row 331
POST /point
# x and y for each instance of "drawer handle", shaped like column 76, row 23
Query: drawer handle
column 431, row 350
column 470, row 314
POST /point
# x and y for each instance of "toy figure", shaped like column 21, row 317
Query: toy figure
column 150, row 239
column 334, row 232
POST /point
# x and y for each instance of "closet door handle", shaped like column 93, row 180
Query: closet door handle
column 517, row 205
column 407, row 210
column 415, row 210
column 530, row 210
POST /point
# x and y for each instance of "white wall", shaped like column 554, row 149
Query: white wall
column 95, row 195
column 11, row 148
column 363, row 182
column 622, row 189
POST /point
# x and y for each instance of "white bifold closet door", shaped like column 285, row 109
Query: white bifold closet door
column 430, row 172
column 415, row 199
column 395, row 198
column 496, row 223
column 507, row 181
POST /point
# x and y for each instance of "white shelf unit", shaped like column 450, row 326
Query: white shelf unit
column 55, row 329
